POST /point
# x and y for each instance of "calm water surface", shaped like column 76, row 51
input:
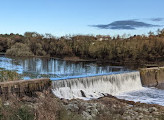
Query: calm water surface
column 44, row 67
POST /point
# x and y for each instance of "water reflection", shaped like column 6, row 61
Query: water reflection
column 42, row 67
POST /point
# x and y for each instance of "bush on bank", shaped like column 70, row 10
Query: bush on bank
column 6, row 75
column 19, row 49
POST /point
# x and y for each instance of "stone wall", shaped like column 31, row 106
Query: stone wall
column 23, row 87
column 152, row 77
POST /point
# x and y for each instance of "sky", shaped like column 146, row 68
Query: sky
column 64, row 17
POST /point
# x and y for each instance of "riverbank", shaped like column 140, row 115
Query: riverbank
column 133, row 65
column 44, row 105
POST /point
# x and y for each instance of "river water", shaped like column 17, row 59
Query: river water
column 43, row 67
column 53, row 68
column 145, row 95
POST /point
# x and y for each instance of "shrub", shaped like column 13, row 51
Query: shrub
column 20, row 50
column 6, row 75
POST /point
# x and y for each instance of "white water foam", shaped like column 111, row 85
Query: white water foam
column 98, row 86
column 146, row 95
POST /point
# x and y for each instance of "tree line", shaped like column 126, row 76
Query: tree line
column 133, row 48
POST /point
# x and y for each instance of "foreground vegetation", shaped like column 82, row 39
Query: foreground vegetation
column 136, row 48
column 39, row 107
column 7, row 75
column 45, row 106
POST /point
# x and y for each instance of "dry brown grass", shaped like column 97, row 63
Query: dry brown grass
column 47, row 109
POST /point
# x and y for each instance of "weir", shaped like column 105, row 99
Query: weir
column 152, row 77
column 88, row 87
column 23, row 87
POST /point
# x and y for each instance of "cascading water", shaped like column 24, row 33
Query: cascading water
column 97, row 86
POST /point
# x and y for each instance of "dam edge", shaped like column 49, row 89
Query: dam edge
column 152, row 77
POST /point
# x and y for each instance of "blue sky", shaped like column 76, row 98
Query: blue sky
column 61, row 17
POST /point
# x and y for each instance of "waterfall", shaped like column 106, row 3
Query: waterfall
column 97, row 86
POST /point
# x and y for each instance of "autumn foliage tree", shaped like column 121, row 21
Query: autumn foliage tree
column 133, row 48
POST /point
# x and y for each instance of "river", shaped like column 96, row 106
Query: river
column 53, row 68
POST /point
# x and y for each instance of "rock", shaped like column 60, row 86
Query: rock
column 29, row 99
column 139, row 109
column 100, row 107
column 140, row 116
column 82, row 93
column 85, row 104
column 145, row 110
column 88, row 110
column 65, row 101
column 6, row 103
column 127, row 118
column 72, row 107
column 94, row 111
column 156, row 118
column 89, row 107
column 93, row 115
column 152, row 109
column 40, row 94
column 86, row 116
column 156, row 113
column 113, row 109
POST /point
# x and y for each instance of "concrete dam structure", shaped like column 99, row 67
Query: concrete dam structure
column 153, row 77
column 23, row 87
column 87, row 87
column 97, row 86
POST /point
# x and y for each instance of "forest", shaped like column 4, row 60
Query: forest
column 137, row 48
